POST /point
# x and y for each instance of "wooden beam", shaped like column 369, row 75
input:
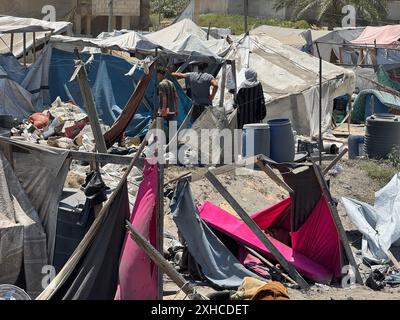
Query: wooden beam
column 12, row 43
column 268, row 170
column 335, row 161
column 338, row 222
column 160, row 208
column 163, row 264
column 81, row 75
column 257, row 231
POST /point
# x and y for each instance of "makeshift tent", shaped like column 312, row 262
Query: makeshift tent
column 24, row 90
column 219, row 266
column 17, row 26
column 23, row 249
column 387, row 56
column 383, row 101
column 331, row 44
column 380, row 36
column 307, row 238
column 385, row 79
column 137, row 273
column 379, row 224
column 92, row 271
column 290, row 79
column 111, row 87
column 292, row 37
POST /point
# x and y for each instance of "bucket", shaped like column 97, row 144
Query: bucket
column 256, row 140
column 282, row 140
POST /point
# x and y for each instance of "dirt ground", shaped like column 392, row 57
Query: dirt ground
column 257, row 191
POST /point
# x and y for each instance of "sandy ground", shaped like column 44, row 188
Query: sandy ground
column 257, row 191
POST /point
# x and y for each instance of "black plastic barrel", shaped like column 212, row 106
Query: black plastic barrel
column 382, row 135
column 282, row 140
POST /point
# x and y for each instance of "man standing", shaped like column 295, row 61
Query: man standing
column 199, row 84
column 169, row 102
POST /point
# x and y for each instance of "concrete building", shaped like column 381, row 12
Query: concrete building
column 264, row 8
column 90, row 17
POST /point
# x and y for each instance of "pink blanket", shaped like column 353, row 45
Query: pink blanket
column 137, row 273
column 315, row 251
column 385, row 35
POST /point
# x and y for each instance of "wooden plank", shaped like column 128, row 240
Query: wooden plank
column 163, row 264
column 268, row 170
column 338, row 222
column 257, row 231
column 335, row 161
column 222, row 87
column 160, row 209
column 88, row 99
column 12, row 43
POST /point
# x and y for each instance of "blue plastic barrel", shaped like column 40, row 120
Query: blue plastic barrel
column 356, row 146
column 282, row 140
column 256, row 140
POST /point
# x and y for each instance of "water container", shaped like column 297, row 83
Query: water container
column 282, row 140
column 257, row 135
column 356, row 146
column 382, row 135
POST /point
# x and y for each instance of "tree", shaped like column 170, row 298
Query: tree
column 330, row 11
column 168, row 8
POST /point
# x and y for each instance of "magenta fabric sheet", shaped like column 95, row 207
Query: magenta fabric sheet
column 137, row 273
column 316, row 247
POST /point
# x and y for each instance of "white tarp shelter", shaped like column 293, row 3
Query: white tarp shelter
column 290, row 79
column 14, row 27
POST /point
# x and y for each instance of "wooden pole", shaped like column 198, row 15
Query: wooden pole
column 349, row 115
column 34, row 46
column 335, row 161
column 246, row 14
column 338, row 222
column 163, row 264
column 222, row 87
column 160, row 208
column 12, row 43
column 268, row 170
column 81, row 75
column 24, row 49
column 257, row 231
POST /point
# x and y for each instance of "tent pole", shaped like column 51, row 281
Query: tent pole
column 24, row 49
column 34, row 46
column 257, row 231
column 110, row 15
column 320, row 106
column 222, row 88
column 160, row 206
column 246, row 14
column 12, row 43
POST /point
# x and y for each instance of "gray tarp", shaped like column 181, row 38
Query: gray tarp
column 23, row 245
column 92, row 271
column 217, row 263
column 380, row 224
column 42, row 173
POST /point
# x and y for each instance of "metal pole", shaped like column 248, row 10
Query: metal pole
column 320, row 106
column 246, row 14
column 110, row 15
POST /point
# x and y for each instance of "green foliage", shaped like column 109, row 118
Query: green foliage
column 168, row 8
column 330, row 11
column 236, row 22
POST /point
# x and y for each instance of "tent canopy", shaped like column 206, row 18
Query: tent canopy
column 385, row 35
column 17, row 26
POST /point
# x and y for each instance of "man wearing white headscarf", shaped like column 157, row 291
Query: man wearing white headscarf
column 250, row 100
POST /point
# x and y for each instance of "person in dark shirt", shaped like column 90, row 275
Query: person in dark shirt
column 199, row 83
column 250, row 100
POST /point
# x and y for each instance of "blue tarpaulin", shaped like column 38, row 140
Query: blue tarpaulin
column 111, row 88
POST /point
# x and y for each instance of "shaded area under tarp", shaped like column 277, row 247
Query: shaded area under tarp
column 111, row 88
column 382, row 102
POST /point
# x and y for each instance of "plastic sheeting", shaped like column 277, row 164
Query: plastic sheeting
column 217, row 263
column 137, row 273
column 385, row 35
column 379, row 224
column 316, row 247
column 42, row 28
column 111, row 88
column 290, row 80
column 23, row 245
